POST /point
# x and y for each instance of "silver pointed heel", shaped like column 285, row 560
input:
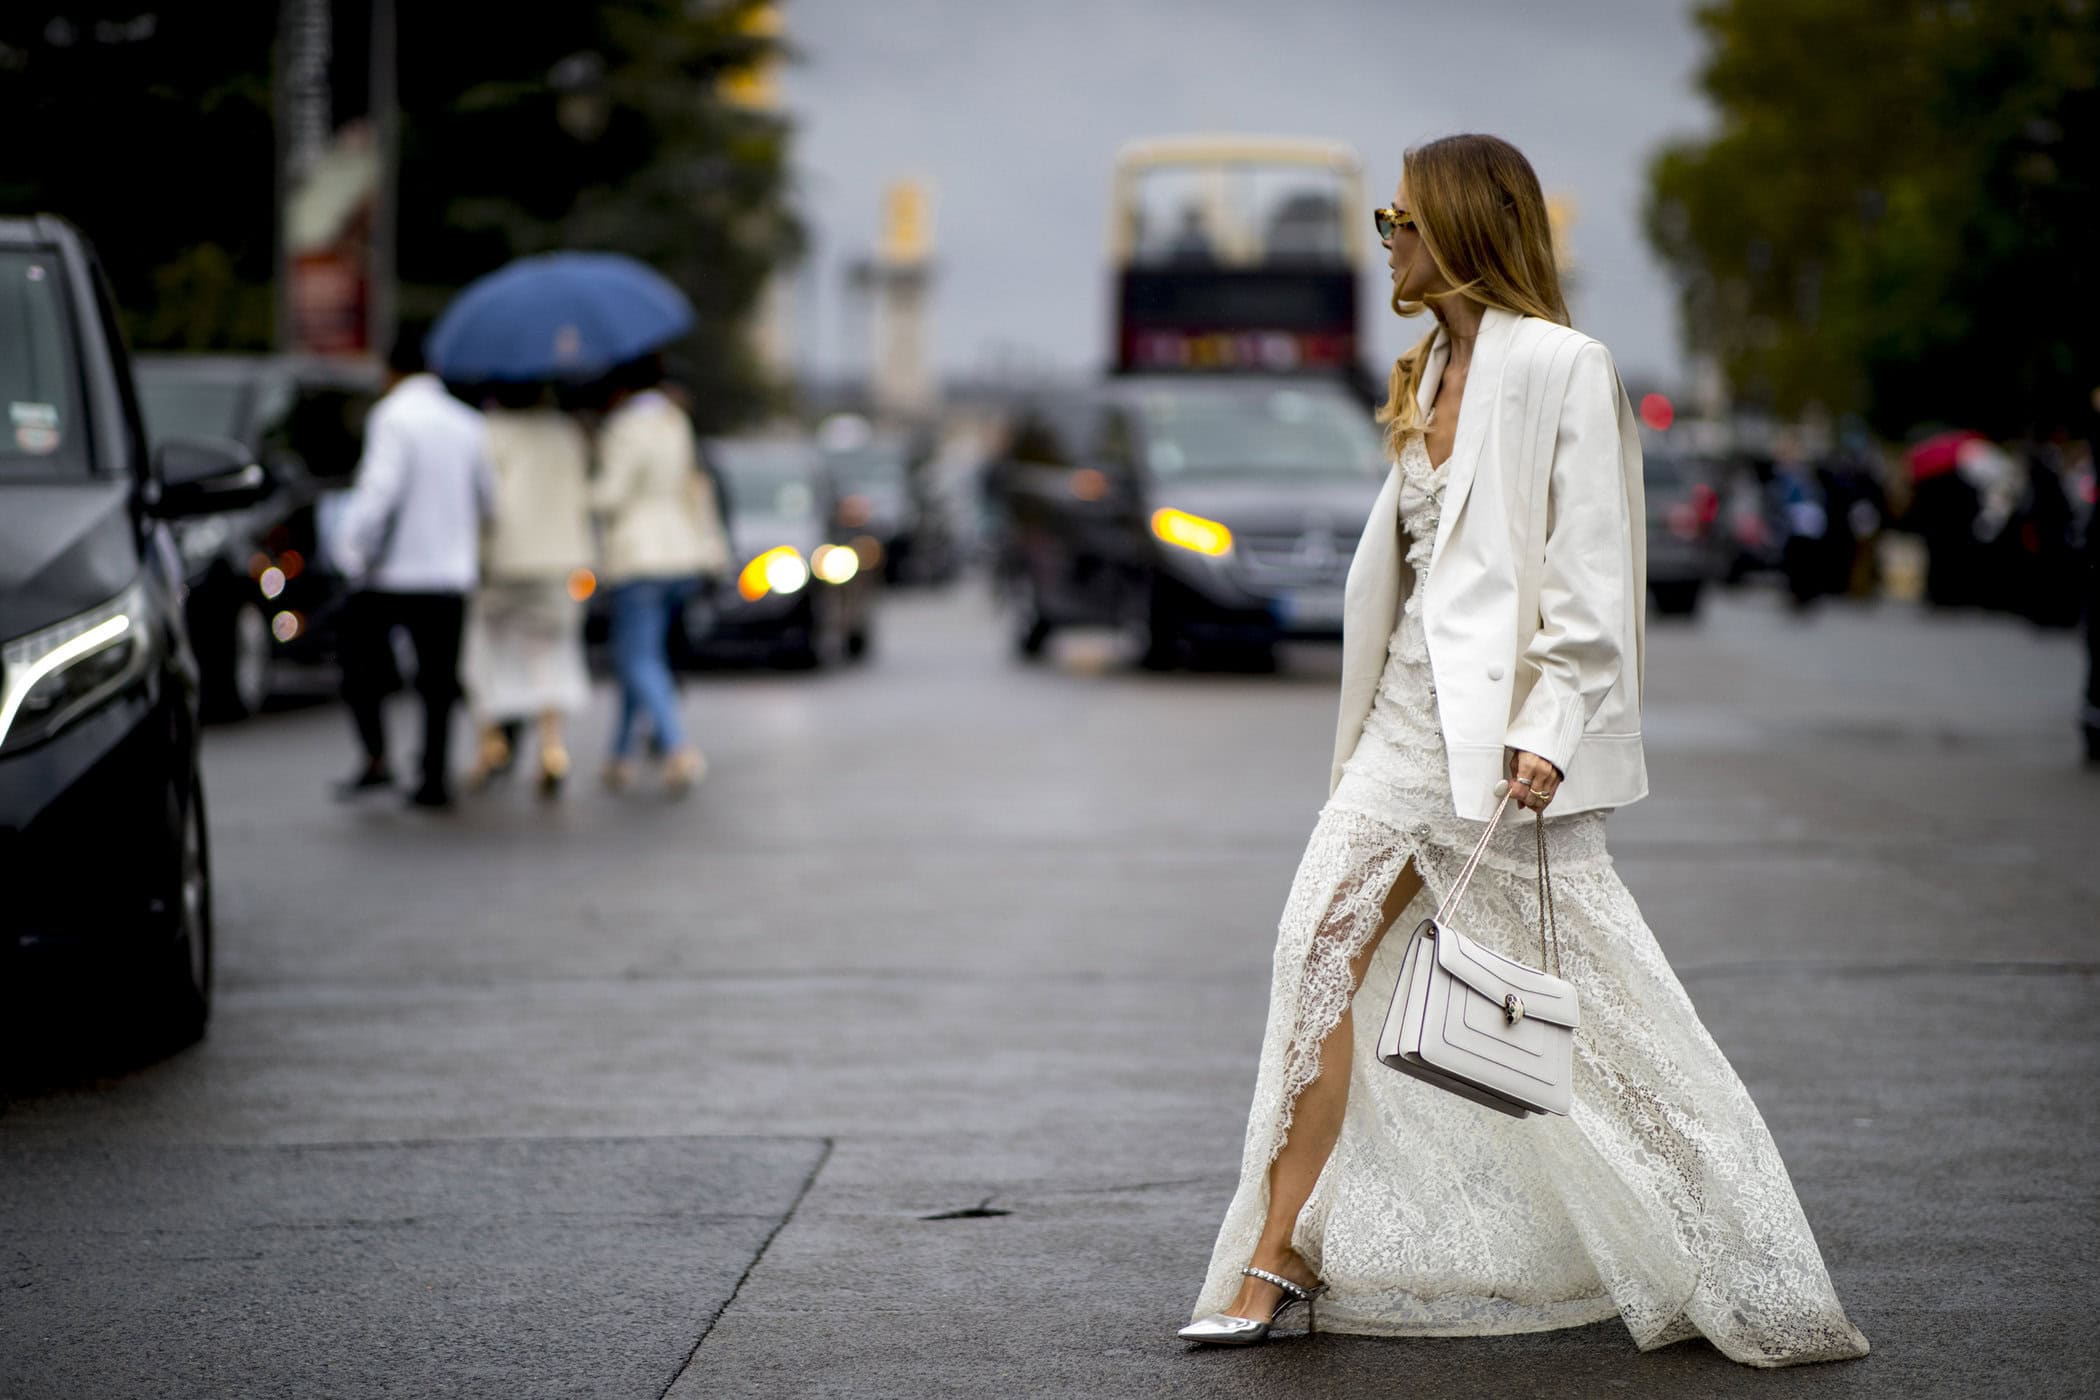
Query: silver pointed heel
column 1225, row 1330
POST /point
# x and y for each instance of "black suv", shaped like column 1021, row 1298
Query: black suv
column 102, row 834
column 1199, row 513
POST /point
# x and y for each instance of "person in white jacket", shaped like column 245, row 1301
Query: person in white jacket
column 663, row 531
column 524, row 650
column 1493, row 648
column 409, row 541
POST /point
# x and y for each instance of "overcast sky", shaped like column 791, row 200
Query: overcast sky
column 1013, row 110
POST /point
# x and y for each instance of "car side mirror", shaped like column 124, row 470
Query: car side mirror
column 203, row 476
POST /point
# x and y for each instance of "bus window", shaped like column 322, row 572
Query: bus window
column 1237, row 253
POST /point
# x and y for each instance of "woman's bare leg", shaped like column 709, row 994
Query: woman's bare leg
column 1316, row 1122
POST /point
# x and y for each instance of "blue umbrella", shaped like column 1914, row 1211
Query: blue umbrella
column 557, row 316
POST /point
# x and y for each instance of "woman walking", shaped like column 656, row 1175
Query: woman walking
column 525, row 630
column 1494, row 643
column 663, row 531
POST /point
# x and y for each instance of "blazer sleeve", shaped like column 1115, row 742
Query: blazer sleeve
column 1578, row 650
column 621, row 454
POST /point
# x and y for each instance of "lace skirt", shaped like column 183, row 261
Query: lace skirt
column 523, row 652
column 1660, row 1199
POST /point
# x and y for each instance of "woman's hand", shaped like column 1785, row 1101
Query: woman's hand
column 1532, row 780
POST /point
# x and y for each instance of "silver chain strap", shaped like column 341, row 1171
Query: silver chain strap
column 1549, row 924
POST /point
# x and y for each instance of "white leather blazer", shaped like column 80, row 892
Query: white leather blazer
column 1535, row 609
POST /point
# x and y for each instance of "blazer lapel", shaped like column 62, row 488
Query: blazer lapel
column 1483, row 381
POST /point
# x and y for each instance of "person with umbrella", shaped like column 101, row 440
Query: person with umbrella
column 524, row 651
column 663, row 533
column 576, row 317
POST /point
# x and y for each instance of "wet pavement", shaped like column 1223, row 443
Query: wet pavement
column 909, row 1056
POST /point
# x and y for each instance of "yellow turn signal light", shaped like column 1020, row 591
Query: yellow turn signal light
column 1179, row 528
column 582, row 584
column 779, row 570
column 834, row 563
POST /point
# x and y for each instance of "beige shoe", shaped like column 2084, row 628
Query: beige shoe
column 683, row 771
column 618, row 775
column 491, row 760
column 554, row 769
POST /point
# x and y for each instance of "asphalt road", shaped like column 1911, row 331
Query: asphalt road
column 909, row 1056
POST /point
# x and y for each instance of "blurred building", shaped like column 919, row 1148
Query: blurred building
column 897, row 281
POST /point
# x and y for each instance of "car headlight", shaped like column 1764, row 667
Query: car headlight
column 779, row 570
column 834, row 563
column 50, row 676
column 1179, row 528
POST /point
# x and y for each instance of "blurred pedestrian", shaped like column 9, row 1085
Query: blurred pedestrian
column 1857, row 506
column 663, row 532
column 410, row 545
column 524, row 651
column 2089, row 719
column 1806, row 553
column 1508, row 551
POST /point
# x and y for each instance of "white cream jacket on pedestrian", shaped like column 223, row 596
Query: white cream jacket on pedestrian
column 541, row 526
column 412, row 522
column 1535, row 608
column 661, row 516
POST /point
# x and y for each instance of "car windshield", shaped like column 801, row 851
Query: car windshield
column 177, row 404
column 43, row 435
column 1257, row 431
column 766, row 478
column 874, row 468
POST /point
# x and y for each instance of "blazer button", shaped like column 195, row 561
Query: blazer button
column 1494, row 673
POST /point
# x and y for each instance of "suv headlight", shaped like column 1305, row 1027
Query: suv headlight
column 1192, row 532
column 50, row 676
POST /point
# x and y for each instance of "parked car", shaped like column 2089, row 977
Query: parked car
column 886, row 496
column 263, row 591
column 800, row 595
column 1686, row 549
column 1200, row 514
column 103, row 850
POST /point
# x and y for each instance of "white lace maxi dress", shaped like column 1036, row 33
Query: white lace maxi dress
column 1660, row 1199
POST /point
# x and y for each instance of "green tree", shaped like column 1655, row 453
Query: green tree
column 597, row 127
column 1895, row 216
column 522, row 130
column 152, row 130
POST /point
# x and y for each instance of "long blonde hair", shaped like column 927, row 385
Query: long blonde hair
column 1482, row 218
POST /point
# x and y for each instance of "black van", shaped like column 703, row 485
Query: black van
column 102, row 834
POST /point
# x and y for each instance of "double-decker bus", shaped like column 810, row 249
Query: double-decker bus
column 1238, row 254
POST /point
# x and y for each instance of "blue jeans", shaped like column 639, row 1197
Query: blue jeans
column 642, row 615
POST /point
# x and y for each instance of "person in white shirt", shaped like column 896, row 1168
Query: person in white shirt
column 410, row 545
column 663, row 531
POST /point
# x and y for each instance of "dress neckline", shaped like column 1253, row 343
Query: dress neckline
column 1418, row 444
